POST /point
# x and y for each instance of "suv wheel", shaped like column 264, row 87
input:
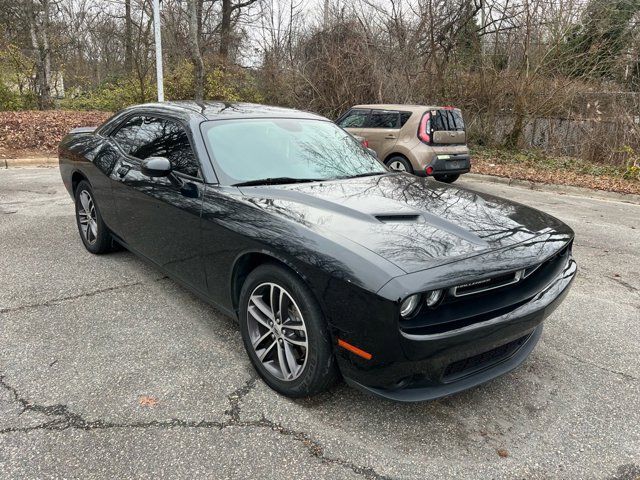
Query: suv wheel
column 399, row 164
column 285, row 333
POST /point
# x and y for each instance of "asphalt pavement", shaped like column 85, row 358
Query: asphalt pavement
column 108, row 369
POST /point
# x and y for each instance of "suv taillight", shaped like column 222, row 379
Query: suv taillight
column 365, row 143
column 422, row 129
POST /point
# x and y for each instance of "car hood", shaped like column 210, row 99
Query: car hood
column 412, row 222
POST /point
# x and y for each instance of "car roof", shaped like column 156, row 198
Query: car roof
column 399, row 106
column 213, row 110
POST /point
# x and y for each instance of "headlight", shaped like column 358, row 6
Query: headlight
column 409, row 305
column 433, row 297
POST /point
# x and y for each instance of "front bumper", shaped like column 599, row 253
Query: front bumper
column 441, row 364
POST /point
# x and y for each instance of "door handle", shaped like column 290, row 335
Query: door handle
column 390, row 137
column 123, row 170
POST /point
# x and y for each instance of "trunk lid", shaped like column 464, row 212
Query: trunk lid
column 448, row 127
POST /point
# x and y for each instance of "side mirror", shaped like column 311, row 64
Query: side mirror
column 156, row 167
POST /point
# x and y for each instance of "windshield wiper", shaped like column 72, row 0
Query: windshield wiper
column 368, row 174
column 275, row 181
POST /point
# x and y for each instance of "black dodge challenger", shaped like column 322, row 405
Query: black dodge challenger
column 409, row 288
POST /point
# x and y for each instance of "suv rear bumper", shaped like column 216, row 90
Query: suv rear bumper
column 450, row 164
column 455, row 164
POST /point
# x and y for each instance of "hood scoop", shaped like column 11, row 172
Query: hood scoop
column 400, row 218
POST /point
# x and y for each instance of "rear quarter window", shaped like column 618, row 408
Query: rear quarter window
column 404, row 118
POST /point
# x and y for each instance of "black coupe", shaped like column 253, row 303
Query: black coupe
column 409, row 288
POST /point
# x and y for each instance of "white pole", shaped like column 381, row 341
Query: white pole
column 158, row 42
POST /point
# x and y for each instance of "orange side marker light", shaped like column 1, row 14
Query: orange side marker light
column 353, row 349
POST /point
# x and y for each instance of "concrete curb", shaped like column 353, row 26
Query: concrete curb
column 28, row 162
column 552, row 187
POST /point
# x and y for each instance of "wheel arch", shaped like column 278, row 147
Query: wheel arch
column 396, row 154
column 246, row 262
column 76, row 178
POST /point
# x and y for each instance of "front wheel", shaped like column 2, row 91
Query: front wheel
column 285, row 333
column 95, row 235
column 446, row 178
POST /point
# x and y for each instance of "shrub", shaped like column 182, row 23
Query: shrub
column 12, row 100
column 111, row 96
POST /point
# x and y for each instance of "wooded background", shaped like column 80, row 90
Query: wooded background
column 558, row 75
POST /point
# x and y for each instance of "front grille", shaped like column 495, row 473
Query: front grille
column 487, row 284
column 467, row 366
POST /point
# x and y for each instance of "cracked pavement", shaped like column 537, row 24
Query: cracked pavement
column 84, row 339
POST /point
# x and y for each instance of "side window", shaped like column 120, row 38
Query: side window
column 383, row 119
column 404, row 118
column 126, row 135
column 354, row 119
column 159, row 137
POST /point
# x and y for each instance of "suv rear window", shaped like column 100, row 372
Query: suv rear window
column 447, row 120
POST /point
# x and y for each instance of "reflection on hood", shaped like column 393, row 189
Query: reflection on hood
column 413, row 222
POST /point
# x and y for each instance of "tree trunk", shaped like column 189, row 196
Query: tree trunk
column 38, row 30
column 225, row 30
column 194, row 46
column 128, row 40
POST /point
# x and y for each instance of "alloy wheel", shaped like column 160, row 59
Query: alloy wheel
column 397, row 165
column 277, row 331
column 87, row 217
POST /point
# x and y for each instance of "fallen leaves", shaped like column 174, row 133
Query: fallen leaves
column 522, row 171
column 147, row 401
column 502, row 453
column 25, row 133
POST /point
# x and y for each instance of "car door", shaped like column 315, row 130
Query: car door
column 160, row 217
column 354, row 120
column 381, row 131
column 131, row 189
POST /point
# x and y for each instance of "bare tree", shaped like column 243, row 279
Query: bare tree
column 229, row 11
column 195, row 26
column 38, row 15
column 128, row 40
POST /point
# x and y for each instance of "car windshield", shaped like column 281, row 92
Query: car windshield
column 289, row 150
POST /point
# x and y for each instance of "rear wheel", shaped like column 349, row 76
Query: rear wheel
column 399, row 164
column 446, row 178
column 285, row 333
column 95, row 235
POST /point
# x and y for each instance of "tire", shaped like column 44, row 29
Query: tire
column 94, row 234
column 286, row 367
column 446, row 178
column 400, row 164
